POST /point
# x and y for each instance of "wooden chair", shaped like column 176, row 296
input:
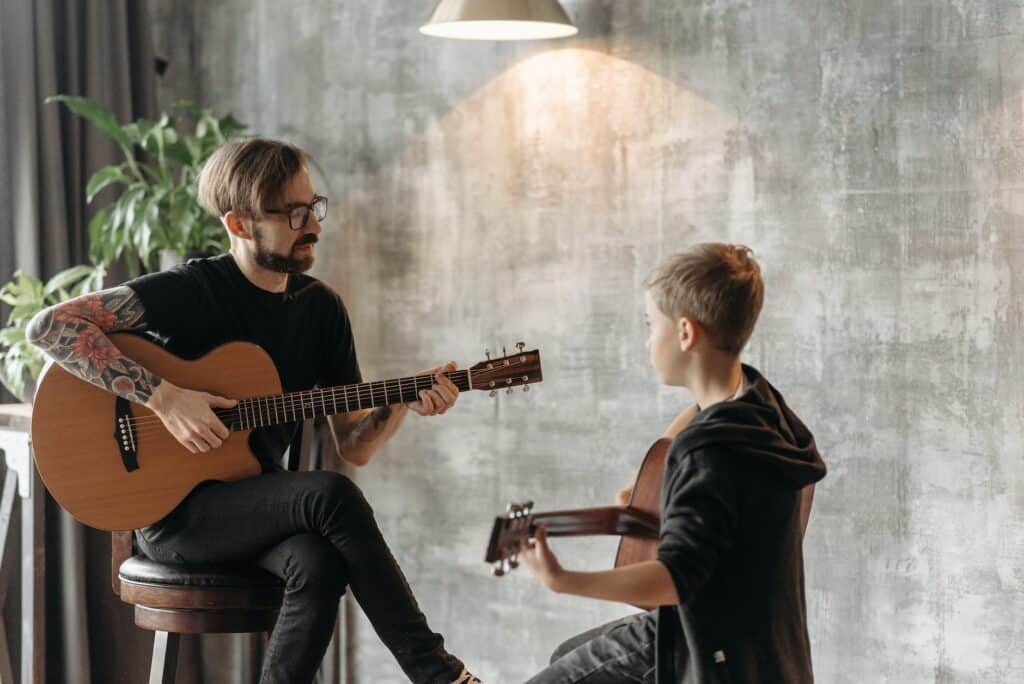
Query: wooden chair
column 175, row 599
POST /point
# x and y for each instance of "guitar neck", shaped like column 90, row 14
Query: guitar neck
column 615, row 520
column 291, row 407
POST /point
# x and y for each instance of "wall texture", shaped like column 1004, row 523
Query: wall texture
column 481, row 194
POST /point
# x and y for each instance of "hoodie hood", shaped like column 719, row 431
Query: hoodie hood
column 760, row 426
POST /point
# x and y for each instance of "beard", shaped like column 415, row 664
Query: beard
column 283, row 263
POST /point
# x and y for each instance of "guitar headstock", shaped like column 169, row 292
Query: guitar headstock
column 510, row 531
column 511, row 370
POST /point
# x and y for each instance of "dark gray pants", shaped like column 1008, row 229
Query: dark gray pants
column 620, row 651
column 315, row 531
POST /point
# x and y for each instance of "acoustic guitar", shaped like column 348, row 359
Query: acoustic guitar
column 637, row 523
column 113, row 465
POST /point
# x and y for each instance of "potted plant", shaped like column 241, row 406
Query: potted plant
column 156, row 217
column 21, row 362
column 157, row 210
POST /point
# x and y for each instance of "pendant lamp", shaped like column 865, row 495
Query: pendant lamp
column 499, row 20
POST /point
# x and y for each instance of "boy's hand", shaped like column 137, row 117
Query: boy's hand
column 537, row 556
column 441, row 396
column 623, row 496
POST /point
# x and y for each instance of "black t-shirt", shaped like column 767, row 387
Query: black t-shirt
column 204, row 303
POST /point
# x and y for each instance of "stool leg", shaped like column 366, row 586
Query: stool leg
column 165, row 657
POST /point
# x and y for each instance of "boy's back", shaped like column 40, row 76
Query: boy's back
column 731, row 538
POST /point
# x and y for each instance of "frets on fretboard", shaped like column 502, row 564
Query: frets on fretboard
column 294, row 406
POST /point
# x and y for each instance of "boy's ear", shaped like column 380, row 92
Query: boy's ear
column 689, row 330
column 236, row 225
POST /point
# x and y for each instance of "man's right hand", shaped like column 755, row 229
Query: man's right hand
column 189, row 416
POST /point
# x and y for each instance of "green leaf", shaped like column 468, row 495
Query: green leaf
column 94, row 113
column 103, row 178
column 66, row 278
column 178, row 152
column 190, row 107
column 229, row 125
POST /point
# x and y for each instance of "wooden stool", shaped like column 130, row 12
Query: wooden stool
column 172, row 599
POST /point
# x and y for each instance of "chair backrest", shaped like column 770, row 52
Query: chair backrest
column 298, row 457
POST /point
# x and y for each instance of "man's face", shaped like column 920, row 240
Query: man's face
column 663, row 342
column 278, row 247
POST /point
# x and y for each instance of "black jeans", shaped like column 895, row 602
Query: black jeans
column 315, row 531
column 620, row 651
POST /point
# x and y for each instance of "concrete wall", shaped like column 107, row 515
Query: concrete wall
column 481, row 194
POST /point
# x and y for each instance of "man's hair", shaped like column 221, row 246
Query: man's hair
column 715, row 284
column 248, row 175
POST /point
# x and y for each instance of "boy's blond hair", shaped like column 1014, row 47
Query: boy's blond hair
column 715, row 284
column 248, row 175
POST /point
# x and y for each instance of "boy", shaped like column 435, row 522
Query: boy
column 729, row 578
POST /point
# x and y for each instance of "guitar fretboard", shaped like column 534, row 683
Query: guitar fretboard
column 295, row 406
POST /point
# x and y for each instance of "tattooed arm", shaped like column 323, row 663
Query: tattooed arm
column 360, row 434
column 74, row 335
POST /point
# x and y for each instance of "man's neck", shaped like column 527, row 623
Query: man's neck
column 271, row 281
column 716, row 382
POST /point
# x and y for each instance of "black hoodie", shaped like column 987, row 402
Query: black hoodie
column 731, row 539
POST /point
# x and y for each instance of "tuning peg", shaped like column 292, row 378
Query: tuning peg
column 503, row 353
column 499, row 569
column 487, row 353
column 513, row 562
column 520, row 346
column 526, row 388
column 527, row 507
column 511, row 508
column 493, row 393
column 508, row 391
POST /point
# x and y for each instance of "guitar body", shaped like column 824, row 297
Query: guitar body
column 647, row 498
column 74, row 436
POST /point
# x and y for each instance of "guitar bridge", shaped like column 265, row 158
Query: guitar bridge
column 125, row 434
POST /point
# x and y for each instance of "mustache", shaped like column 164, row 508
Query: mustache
column 306, row 240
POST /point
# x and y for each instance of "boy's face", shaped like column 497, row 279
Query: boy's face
column 664, row 344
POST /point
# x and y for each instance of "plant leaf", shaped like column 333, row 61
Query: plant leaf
column 94, row 113
column 103, row 178
column 66, row 278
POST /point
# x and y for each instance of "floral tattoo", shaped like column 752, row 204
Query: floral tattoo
column 74, row 334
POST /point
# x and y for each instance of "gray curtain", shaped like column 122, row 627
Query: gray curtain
column 100, row 49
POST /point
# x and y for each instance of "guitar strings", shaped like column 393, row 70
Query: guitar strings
column 367, row 391
column 256, row 409
column 374, row 388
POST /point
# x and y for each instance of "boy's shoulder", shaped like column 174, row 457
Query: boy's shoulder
column 755, row 432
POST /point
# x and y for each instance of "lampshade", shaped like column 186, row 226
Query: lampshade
column 499, row 20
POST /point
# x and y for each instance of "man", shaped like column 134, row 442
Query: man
column 314, row 530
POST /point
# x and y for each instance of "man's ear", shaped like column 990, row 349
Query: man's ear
column 688, row 332
column 236, row 225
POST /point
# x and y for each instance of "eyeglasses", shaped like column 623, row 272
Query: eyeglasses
column 298, row 214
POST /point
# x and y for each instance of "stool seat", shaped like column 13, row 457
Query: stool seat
column 142, row 570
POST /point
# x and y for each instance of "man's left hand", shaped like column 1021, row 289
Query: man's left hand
column 441, row 396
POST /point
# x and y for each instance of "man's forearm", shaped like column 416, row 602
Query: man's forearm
column 369, row 434
column 74, row 335
column 643, row 584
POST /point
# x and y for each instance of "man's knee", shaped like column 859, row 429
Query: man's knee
column 314, row 565
column 336, row 487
